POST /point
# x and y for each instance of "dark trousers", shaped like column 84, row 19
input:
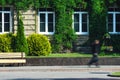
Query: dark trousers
column 94, row 59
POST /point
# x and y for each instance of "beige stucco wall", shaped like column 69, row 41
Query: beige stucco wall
column 29, row 20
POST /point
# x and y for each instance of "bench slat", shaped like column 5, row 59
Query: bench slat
column 12, row 55
column 12, row 60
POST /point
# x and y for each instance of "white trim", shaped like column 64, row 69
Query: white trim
column 3, row 22
column 46, row 22
column 114, row 22
column 80, row 23
column 10, row 21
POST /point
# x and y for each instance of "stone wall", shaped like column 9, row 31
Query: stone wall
column 81, row 44
column 69, row 61
column 29, row 21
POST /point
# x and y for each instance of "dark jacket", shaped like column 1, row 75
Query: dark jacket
column 95, row 48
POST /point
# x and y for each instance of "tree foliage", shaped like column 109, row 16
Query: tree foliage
column 21, row 42
column 97, row 18
column 64, row 34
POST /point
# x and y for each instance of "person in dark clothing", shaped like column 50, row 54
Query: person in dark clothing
column 95, row 52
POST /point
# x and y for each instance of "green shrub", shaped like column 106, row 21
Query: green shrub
column 6, row 43
column 115, row 42
column 21, row 42
column 38, row 45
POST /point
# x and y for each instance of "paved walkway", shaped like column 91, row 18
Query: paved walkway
column 58, row 73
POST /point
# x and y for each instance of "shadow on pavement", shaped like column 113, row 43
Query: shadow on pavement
column 65, row 79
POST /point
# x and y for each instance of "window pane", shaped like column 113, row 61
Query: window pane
column 84, row 27
column 0, row 27
column 6, row 27
column 0, row 17
column 42, row 17
column 84, row 17
column 76, row 17
column 50, row 27
column 110, row 27
column 50, row 17
column 117, row 17
column 0, row 8
column 42, row 27
column 110, row 17
column 6, row 17
column 117, row 22
column 0, row 22
column 110, row 22
column 118, row 27
column 76, row 27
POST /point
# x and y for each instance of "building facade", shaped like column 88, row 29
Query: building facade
column 43, row 22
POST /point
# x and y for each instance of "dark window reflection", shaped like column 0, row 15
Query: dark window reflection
column 76, row 27
column 42, row 27
column 7, row 27
column 50, row 27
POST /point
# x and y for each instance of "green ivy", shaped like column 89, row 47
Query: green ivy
column 64, row 34
column 97, row 18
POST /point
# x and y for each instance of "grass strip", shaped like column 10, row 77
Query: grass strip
column 115, row 74
column 69, row 55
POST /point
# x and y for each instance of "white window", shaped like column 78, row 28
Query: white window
column 46, row 22
column 114, row 22
column 5, row 20
column 80, row 24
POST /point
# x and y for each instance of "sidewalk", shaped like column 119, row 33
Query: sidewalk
column 107, row 68
column 58, row 73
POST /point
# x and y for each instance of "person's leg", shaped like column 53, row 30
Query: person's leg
column 97, row 63
column 90, row 62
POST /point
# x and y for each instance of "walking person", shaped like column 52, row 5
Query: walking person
column 95, row 52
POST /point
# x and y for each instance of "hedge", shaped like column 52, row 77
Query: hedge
column 38, row 45
column 6, row 42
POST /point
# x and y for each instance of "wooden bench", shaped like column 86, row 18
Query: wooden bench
column 12, row 58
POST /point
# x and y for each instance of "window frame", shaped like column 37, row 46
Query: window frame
column 114, row 22
column 46, row 22
column 10, row 18
column 80, row 22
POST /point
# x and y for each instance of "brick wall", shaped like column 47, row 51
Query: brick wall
column 69, row 61
column 29, row 21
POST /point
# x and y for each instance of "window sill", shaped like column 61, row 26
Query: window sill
column 44, row 33
column 114, row 33
column 82, row 33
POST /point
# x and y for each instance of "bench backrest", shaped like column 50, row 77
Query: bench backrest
column 12, row 55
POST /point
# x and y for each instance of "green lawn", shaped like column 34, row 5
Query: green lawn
column 63, row 55
column 116, row 74
column 71, row 55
